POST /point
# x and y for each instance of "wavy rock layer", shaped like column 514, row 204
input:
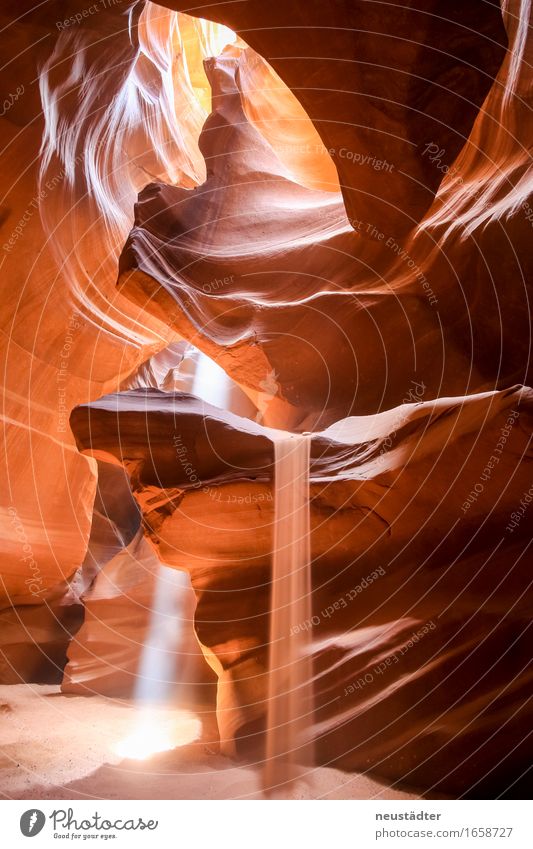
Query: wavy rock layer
column 90, row 108
column 273, row 280
column 318, row 312
column 379, row 83
column 92, row 99
column 419, row 576
column 260, row 273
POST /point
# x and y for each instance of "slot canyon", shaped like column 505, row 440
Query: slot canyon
column 267, row 468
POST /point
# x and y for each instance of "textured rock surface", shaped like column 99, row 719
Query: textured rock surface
column 379, row 81
column 420, row 605
column 48, row 346
column 67, row 335
column 94, row 109
column 34, row 639
column 226, row 267
column 253, row 288
column 243, row 245
column 35, row 634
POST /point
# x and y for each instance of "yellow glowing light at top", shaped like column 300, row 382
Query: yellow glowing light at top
column 268, row 102
column 196, row 39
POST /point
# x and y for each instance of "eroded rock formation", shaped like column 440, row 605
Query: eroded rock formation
column 250, row 267
column 347, row 236
column 419, row 576
column 90, row 109
column 253, row 268
column 379, row 82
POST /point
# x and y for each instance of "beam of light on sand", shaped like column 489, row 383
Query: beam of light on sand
column 159, row 731
column 156, row 727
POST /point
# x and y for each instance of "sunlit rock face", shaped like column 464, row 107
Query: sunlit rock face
column 347, row 235
column 96, row 106
column 49, row 345
column 419, row 572
column 475, row 235
column 272, row 280
column 91, row 108
column 268, row 278
column 379, row 82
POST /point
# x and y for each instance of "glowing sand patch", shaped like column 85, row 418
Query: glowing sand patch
column 158, row 731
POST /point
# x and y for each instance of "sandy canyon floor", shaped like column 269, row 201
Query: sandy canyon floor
column 57, row 746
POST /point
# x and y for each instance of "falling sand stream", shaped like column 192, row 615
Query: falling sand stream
column 290, row 695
